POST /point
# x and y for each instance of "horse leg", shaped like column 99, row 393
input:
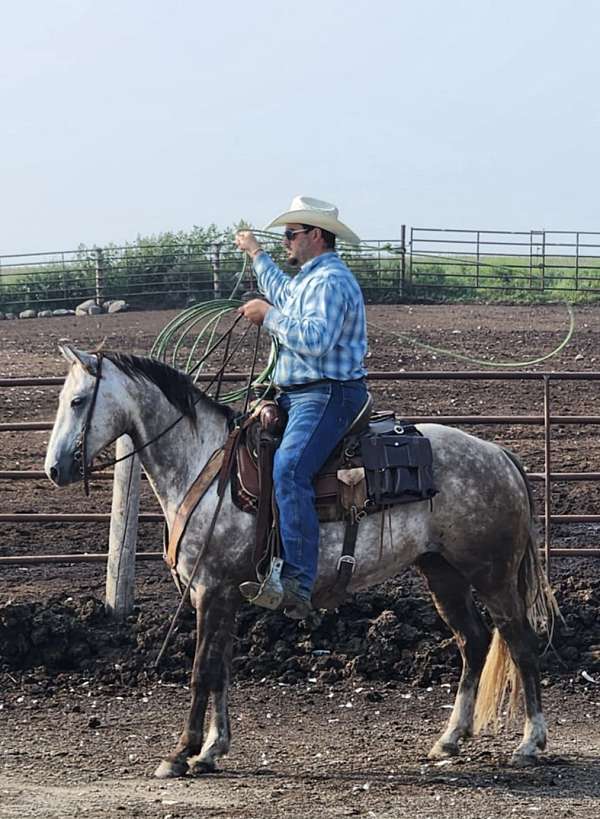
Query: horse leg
column 520, row 640
column 453, row 599
column 215, row 611
column 218, row 736
column 523, row 644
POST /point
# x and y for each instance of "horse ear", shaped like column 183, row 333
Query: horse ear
column 74, row 356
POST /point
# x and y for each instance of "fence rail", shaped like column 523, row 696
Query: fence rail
column 548, row 477
column 164, row 275
column 421, row 262
column 535, row 261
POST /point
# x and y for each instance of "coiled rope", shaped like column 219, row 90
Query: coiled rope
column 195, row 329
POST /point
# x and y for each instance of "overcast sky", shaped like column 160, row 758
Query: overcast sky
column 133, row 117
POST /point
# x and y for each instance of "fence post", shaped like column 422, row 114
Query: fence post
column 120, row 567
column 544, row 261
column 547, row 478
column 99, row 276
column 216, row 266
column 577, row 261
column 402, row 260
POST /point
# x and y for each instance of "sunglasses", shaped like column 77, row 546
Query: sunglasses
column 289, row 233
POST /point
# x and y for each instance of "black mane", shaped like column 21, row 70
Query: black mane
column 177, row 386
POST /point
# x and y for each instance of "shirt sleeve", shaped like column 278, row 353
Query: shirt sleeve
column 272, row 281
column 320, row 326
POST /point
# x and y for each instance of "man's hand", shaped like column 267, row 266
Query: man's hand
column 255, row 310
column 246, row 240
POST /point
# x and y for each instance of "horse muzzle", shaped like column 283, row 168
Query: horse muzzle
column 63, row 470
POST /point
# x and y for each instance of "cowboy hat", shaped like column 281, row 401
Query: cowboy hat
column 305, row 210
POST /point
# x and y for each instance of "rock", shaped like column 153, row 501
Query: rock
column 118, row 306
column 2, row 316
column 10, row 316
column 44, row 314
column 61, row 311
column 25, row 314
column 88, row 308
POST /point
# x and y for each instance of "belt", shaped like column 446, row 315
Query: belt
column 295, row 387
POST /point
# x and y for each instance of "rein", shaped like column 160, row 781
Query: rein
column 81, row 444
column 81, row 447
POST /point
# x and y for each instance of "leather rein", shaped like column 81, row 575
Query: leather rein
column 80, row 453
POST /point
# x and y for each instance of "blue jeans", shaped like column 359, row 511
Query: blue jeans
column 318, row 417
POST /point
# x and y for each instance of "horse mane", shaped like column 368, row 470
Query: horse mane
column 177, row 386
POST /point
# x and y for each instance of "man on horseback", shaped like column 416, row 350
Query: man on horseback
column 318, row 318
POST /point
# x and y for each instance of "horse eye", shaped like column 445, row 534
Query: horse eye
column 77, row 401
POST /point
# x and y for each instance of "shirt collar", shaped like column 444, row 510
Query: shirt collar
column 312, row 263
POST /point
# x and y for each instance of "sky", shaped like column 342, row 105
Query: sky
column 127, row 118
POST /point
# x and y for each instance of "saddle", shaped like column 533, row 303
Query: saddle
column 379, row 463
column 390, row 462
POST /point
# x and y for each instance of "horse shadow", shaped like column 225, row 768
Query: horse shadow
column 561, row 777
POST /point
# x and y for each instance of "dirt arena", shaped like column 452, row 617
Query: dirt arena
column 333, row 719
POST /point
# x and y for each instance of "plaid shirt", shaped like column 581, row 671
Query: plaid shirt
column 318, row 317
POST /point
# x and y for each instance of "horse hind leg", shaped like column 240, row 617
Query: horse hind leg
column 512, row 666
column 453, row 599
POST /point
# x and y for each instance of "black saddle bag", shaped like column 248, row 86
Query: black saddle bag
column 398, row 462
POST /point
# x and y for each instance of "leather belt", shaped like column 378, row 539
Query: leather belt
column 295, row 387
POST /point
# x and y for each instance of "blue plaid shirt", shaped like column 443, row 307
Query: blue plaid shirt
column 318, row 317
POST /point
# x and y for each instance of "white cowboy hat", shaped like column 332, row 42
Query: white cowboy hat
column 305, row 210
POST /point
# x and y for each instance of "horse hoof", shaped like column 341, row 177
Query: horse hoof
column 443, row 750
column 200, row 768
column 524, row 760
column 170, row 770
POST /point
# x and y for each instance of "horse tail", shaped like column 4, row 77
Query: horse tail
column 500, row 684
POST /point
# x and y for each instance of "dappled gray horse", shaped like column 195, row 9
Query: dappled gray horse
column 477, row 534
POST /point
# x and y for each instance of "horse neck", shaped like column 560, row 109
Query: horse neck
column 174, row 460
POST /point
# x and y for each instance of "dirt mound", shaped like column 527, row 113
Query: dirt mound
column 390, row 633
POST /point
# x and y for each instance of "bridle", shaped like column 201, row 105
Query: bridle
column 80, row 451
column 229, row 451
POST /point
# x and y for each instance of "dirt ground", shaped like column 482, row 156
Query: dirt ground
column 329, row 719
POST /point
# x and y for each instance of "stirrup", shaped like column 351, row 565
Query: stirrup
column 268, row 594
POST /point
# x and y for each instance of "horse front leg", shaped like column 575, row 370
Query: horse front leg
column 215, row 612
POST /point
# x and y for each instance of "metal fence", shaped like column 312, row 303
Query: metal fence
column 422, row 262
column 548, row 477
column 534, row 261
column 166, row 275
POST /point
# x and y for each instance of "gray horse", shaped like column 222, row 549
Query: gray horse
column 477, row 534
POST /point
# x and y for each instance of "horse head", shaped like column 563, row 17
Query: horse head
column 89, row 417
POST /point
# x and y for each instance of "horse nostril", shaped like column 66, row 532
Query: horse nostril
column 54, row 474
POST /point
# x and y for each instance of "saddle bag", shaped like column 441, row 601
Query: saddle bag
column 398, row 463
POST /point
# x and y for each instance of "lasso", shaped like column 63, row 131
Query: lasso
column 203, row 320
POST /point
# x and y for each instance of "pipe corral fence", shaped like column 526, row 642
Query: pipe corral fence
column 418, row 263
column 125, row 513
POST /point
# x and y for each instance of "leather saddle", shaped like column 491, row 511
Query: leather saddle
column 251, row 476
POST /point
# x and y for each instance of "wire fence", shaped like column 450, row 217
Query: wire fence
column 423, row 262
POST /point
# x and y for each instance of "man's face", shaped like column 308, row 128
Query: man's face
column 301, row 244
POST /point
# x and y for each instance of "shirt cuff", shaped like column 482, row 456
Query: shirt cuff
column 271, row 319
column 261, row 261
